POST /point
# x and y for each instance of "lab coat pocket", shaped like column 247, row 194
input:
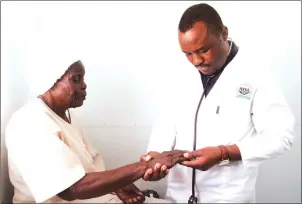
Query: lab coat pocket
column 232, row 119
column 241, row 183
column 208, row 128
column 221, row 175
column 225, row 176
column 222, row 122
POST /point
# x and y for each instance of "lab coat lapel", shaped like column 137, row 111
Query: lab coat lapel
column 209, row 117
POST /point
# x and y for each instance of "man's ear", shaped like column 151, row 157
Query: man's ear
column 225, row 33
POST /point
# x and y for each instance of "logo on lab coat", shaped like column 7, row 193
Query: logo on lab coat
column 244, row 91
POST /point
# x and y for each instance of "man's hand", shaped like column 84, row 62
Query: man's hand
column 160, row 163
column 203, row 159
column 130, row 194
column 158, row 172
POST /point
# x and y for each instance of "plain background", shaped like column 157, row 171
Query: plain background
column 134, row 65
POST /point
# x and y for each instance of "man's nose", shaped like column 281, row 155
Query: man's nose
column 197, row 59
column 84, row 86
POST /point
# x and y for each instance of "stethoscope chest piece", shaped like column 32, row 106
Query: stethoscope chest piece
column 192, row 200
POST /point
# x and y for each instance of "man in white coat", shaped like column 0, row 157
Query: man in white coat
column 231, row 127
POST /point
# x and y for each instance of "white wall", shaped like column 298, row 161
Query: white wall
column 133, row 62
column 14, row 88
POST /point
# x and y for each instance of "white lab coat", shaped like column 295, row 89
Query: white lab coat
column 260, row 123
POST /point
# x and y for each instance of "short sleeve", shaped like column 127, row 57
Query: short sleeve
column 46, row 164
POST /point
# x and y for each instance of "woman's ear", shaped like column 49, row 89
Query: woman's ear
column 225, row 33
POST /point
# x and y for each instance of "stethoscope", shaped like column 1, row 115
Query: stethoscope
column 193, row 199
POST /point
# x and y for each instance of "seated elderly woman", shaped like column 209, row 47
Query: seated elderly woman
column 51, row 161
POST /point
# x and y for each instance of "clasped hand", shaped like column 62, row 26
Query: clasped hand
column 202, row 159
column 160, row 163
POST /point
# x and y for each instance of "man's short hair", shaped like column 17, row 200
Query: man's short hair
column 201, row 12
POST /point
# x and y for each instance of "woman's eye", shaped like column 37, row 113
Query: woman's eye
column 77, row 79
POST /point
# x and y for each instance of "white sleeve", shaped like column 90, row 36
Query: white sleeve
column 163, row 135
column 45, row 163
column 274, row 124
